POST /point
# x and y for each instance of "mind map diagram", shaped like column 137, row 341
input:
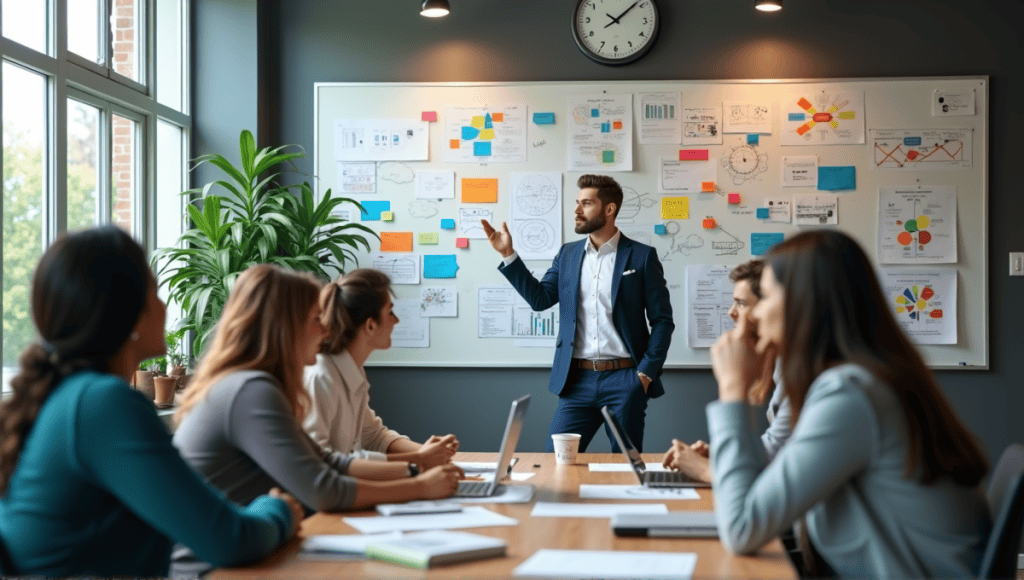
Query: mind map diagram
column 744, row 162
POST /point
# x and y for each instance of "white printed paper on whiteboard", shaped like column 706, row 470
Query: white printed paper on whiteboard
column 816, row 210
column 600, row 133
column 358, row 177
column 381, row 140
column 536, row 214
column 435, row 184
column 659, row 118
column 702, row 125
column 744, row 117
column 708, row 300
column 412, row 330
column 676, row 176
column 401, row 267
column 469, row 222
column 800, row 171
column 917, row 224
column 485, row 134
column 924, row 304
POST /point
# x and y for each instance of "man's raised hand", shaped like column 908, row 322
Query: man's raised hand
column 501, row 240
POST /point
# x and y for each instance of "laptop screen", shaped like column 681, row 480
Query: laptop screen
column 512, row 430
column 631, row 452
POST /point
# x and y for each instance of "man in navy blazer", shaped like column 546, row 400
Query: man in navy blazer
column 615, row 321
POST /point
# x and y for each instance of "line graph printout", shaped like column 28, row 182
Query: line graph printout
column 823, row 118
column 924, row 304
column 708, row 299
column 536, row 214
column 469, row 221
column 917, row 224
column 921, row 149
column 400, row 267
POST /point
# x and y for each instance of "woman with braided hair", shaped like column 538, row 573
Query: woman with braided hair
column 89, row 481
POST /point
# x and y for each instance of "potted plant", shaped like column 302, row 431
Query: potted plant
column 175, row 357
column 252, row 220
column 146, row 375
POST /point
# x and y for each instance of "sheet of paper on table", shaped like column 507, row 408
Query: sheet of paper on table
column 607, row 564
column 594, row 510
column 636, row 492
column 470, row 517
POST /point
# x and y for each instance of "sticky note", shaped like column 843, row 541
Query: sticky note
column 840, row 177
column 797, row 117
column 734, row 198
column 453, row 144
column 708, row 186
column 708, row 223
column 497, row 117
column 461, row 242
column 595, row 112
column 439, row 266
column 753, row 139
column 764, row 213
column 675, row 208
column 606, row 127
column 447, row 224
column 761, row 243
column 693, row 154
column 481, row 148
column 372, row 210
column 660, row 229
column 429, row 116
column 607, row 157
column 480, row 190
column 544, row 118
column 387, row 216
column 396, row 241
column 428, row 239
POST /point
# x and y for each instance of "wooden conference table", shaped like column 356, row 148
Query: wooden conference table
column 553, row 483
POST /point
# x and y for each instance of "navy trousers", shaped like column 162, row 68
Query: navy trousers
column 579, row 406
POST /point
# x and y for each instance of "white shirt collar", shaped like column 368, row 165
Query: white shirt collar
column 612, row 243
column 351, row 373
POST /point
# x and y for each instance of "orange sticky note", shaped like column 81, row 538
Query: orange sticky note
column 709, row 223
column 396, row 241
column 461, row 242
column 480, row 190
column 617, row 125
column 453, row 144
column 429, row 116
column 497, row 117
column 707, row 186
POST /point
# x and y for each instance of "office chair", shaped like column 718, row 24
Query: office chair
column 1006, row 501
column 6, row 567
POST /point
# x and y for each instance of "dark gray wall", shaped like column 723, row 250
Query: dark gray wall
column 530, row 40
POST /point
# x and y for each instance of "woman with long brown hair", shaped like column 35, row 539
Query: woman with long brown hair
column 90, row 484
column 241, row 420
column 884, row 473
column 358, row 316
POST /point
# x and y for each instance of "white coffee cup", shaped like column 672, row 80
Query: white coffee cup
column 566, row 446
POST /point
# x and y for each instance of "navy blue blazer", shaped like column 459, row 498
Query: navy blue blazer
column 640, row 291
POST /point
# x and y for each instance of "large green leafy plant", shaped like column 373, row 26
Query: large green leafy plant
column 248, row 218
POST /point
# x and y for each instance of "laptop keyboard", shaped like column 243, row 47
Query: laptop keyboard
column 665, row 477
column 473, row 489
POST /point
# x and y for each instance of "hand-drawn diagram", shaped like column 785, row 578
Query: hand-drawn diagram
column 834, row 118
column 401, row 268
column 395, row 172
column 534, row 235
column 536, row 213
column 490, row 133
column 422, row 208
column 730, row 248
column 469, row 221
column 744, row 163
column 535, row 195
column 439, row 301
column 743, row 117
column 680, row 245
column 581, row 114
column 632, row 203
column 917, row 149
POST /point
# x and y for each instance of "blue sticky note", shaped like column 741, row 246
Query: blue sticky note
column 833, row 178
column 761, row 243
column 469, row 133
column 764, row 213
column 447, row 224
column 595, row 112
column 753, row 139
column 481, row 148
column 606, row 127
column 372, row 209
column 796, row 117
column 439, row 266
column 660, row 229
column 544, row 118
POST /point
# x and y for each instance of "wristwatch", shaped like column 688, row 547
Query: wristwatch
column 414, row 470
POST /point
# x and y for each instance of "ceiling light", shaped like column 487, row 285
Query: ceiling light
column 435, row 8
column 768, row 5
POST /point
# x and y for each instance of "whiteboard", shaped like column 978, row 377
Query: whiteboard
column 897, row 103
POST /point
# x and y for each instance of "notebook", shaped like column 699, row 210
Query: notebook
column 508, row 447
column 647, row 478
column 697, row 524
column 425, row 549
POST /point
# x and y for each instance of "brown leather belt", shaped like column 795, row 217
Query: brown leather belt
column 612, row 364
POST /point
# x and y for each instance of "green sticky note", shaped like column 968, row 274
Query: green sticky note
column 607, row 157
column 428, row 239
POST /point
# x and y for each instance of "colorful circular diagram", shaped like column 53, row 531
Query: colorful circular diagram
column 905, row 238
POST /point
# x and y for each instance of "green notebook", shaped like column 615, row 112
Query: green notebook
column 425, row 549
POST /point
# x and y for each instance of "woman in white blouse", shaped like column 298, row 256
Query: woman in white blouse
column 358, row 317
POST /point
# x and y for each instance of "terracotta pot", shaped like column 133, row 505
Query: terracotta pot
column 178, row 372
column 164, row 387
column 144, row 383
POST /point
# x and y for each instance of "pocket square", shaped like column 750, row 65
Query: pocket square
column 628, row 272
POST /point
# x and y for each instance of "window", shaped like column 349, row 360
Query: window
column 85, row 138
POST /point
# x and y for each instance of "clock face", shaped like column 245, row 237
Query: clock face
column 615, row 31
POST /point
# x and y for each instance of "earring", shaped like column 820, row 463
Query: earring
column 134, row 335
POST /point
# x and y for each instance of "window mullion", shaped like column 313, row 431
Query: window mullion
column 56, row 207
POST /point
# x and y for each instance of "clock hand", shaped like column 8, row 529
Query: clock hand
column 633, row 5
column 614, row 20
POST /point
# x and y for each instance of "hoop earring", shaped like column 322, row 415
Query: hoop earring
column 134, row 335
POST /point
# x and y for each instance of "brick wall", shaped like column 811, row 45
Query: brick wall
column 122, row 168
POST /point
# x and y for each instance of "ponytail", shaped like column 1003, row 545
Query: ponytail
column 348, row 302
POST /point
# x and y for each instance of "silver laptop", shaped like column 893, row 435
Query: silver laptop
column 647, row 478
column 689, row 524
column 508, row 448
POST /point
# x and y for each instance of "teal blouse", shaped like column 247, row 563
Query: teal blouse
column 99, row 490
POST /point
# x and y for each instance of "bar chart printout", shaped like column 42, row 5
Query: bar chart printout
column 538, row 324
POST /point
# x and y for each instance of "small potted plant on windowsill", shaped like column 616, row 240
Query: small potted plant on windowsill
column 176, row 358
column 147, row 373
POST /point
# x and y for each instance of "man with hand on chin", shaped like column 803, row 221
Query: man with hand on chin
column 610, row 289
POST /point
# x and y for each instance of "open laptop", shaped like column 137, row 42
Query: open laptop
column 508, row 447
column 647, row 478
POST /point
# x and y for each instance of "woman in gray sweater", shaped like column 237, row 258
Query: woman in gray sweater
column 879, row 466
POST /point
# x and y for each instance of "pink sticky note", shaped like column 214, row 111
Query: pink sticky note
column 734, row 198
column 429, row 116
column 693, row 154
column 461, row 242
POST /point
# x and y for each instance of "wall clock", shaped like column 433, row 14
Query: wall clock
column 615, row 32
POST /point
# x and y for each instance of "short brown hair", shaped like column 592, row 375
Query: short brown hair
column 348, row 302
column 751, row 272
column 608, row 190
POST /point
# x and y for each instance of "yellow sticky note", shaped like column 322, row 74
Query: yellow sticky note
column 387, row 216
column 675, row 208
column 478, row 121
column 428, row 239
column 480, row 190
column 396, row 241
